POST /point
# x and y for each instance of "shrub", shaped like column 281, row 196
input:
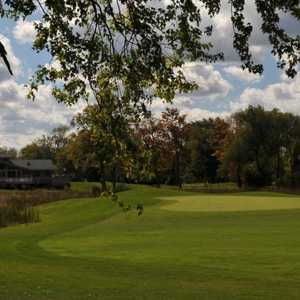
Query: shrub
column 289, row 181
column 140, row 209
column 252, row 178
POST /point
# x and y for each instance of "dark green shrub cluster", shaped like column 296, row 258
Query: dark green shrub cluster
column 18, row 212
column 253, row 178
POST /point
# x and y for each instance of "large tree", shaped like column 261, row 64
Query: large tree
column 173, row 128
column 136, row 47
column 109, row 135
column 205, row 144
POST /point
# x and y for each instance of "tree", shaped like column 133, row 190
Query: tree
column 10, row 152
column 80, row 153
column 263, row 147
column 59, row 139
column 41, row 148
column 148, row 142
column 235, row 158
column 109, row 134
column 291, row 150
column 51, row 146
column 205, row 145
column 137, row 47
column 173, row 126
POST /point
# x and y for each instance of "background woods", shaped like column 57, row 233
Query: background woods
column 253, row 148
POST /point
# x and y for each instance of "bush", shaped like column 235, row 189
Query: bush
column 252, row 178
column 289, row 181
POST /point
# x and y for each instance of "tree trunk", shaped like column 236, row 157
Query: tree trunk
column 293, row 167
column 177, row 170
column 103, row 184
column 277, row 167
column 114, row 180
column 102, row 178
column 238, row 176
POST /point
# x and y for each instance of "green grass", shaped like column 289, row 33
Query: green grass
column 178, row 249
column 83, row 186
column 235, row 202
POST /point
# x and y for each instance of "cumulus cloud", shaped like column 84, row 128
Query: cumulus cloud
column 210, row 81
column 22, row 120
column 212, row 86
column 24, row 31
column 284, row 95
column 242, row 75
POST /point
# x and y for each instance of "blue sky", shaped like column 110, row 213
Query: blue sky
column 223, row 88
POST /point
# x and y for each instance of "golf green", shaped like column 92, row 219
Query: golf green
column 233, row 202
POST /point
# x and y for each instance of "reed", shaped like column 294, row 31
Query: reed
column 18, row 212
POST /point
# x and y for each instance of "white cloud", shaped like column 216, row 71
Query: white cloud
column 24, row 31
column 240, row 74
column 210, row 81
column 22, row 120
column 212, row 87
column 284, row 95
column 195, row 114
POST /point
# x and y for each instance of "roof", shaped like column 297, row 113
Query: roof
column 34, row 164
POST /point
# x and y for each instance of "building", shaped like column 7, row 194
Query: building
column 24, row 173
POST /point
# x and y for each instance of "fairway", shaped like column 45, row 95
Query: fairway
column 233, row 202
column 184, row 246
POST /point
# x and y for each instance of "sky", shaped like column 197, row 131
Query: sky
column 224, row 87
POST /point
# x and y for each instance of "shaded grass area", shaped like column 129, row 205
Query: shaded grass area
column 89, row 249
column 86, row 186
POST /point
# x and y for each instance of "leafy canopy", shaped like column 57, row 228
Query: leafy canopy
column 136, row 48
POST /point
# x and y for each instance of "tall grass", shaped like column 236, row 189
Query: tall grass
column 18, row 212
column 21, row 207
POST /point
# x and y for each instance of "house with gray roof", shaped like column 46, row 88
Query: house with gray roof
column 23, row 173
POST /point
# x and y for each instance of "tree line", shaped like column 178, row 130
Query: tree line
column 121, row 55
column 253, row 148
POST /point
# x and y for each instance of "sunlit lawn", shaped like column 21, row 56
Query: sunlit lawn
column 184, row 246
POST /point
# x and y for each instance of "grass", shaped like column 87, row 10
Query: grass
column 89, row 249
column 236, row 202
